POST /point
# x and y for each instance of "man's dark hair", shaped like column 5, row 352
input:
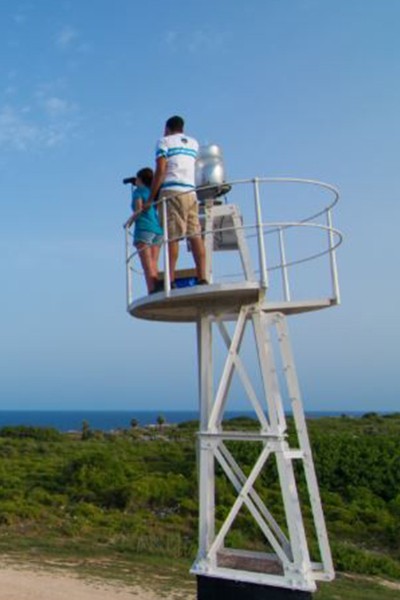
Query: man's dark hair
column 146, row 175
column 175, row 124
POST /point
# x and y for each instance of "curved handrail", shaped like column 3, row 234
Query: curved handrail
column 263, row 228
column 277, row 225
column 315, row 182
column 284, row 225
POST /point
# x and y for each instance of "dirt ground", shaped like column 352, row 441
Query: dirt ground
column 27, row 584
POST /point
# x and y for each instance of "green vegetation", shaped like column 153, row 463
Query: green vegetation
column 134, row 492
column 357, row 588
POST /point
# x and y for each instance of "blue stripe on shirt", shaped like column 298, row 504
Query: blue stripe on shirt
column 184, row 151
column 177, row 183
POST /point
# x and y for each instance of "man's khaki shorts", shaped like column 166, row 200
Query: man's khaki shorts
column 182, row 214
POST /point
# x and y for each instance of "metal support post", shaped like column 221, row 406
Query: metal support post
column 332, row 257
column 128, row 258
column 327, row 570
column 285, row 278
column 167, row 271
column 206, row 452
column 260, row 233
column 209, row 240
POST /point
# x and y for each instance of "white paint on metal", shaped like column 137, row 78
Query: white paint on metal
column 332, row 255
column 255, row 265
column 167, row 277
column 238, row 479
column 206, row 454
column 298, row 570
column 260, row 236
column 220, row 399
column 245, row 378
column 248, row 302
column 285, row 279
column 304, row 442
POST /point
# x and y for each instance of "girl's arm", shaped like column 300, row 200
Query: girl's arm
column 136, row 213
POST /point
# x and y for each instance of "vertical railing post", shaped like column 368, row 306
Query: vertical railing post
column 208, row 238
column 128, row 268
column 260, row 235
column 285, row 278
column 167, row 272
column 332, row 257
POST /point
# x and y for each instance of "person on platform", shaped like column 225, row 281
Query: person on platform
column 148, row 234
column 174, row 182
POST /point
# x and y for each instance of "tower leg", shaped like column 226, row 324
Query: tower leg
column 327, row 572
column 288, row 572
column 205, row 449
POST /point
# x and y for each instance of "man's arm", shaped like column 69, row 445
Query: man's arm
column 158, row 179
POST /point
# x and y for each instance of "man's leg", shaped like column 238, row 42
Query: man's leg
column 174, row 224
column 193, row 232
column 199, row 255
column 173, row 253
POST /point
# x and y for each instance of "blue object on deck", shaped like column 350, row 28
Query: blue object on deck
column 182, row 282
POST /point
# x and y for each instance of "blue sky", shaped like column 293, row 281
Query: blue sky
column 302, row 88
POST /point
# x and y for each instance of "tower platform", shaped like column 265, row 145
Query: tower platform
column 288, row 266
column 187, row 305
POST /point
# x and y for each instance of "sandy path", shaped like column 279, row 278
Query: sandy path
column 27, row 584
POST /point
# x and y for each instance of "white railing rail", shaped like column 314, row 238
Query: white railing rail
column 260, row 236
column 254, row 227
column 285, row 278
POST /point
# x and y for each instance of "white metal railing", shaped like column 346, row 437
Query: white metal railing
column 265, row 238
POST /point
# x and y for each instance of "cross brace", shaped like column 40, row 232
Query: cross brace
column 289, row 565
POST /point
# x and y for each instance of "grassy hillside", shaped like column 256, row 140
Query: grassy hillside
column 134, row 493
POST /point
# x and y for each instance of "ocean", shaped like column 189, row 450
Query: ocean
column 108, row 420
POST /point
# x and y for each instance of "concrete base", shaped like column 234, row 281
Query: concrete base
column 212, row 588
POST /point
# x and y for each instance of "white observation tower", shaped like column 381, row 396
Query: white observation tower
column 270, row 253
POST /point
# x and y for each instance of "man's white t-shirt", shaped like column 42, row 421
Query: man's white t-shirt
column 181, row 151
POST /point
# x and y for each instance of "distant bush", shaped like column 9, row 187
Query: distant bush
column 351, row 558
column 98, row 477
column 189, row 425
column 372, row 415
column 45, row 434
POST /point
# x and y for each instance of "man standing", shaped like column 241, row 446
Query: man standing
column 175, row 183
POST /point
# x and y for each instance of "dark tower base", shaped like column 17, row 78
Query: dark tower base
column 212, row 588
